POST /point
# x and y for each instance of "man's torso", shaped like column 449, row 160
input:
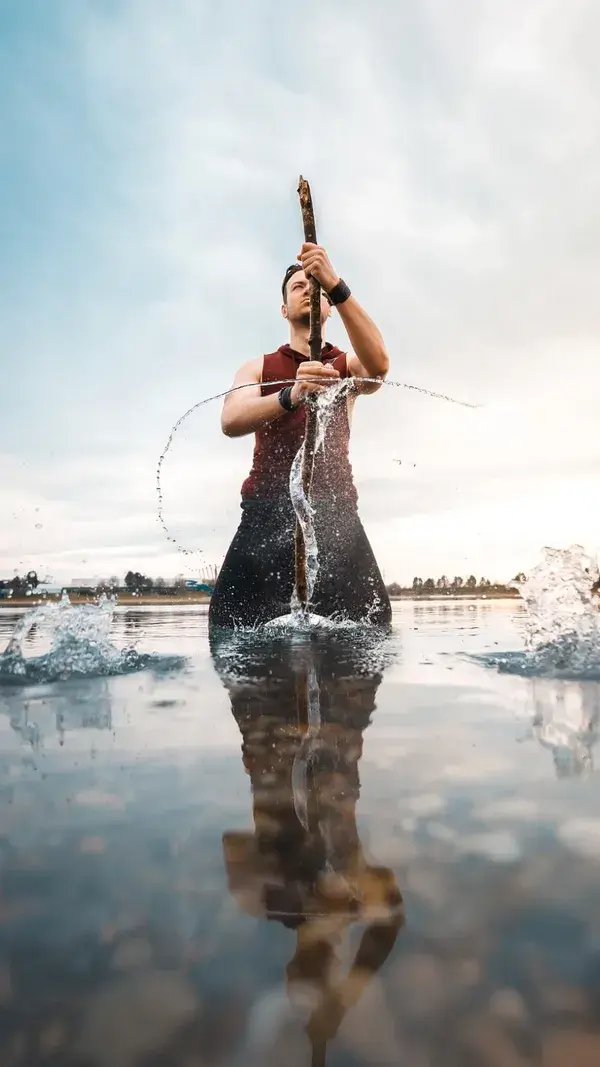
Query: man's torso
column 277, row 444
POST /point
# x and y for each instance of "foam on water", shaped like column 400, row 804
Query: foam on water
column 563, row 619
column 79, row 646
column 237, row 652
column 298, row 622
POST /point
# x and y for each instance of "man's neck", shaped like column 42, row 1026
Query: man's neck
column 299, row 339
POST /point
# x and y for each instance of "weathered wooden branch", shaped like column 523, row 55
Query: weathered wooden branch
column 319, row 1053
column 310, row 235
column 310, row 436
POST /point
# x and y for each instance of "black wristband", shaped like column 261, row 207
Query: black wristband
column 285, row 398
column 339, row 293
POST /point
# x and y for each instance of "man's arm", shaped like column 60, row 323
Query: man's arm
column 370, row 358
column 246, row 411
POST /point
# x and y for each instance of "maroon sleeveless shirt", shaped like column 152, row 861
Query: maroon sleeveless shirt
column 277, row 443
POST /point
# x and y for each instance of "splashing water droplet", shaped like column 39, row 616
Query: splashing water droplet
column 563, row 619
column 562, row 632
column 80, row 645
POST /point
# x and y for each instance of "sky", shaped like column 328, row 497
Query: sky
column 148, row 165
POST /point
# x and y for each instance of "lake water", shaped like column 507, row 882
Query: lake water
column 191, row 875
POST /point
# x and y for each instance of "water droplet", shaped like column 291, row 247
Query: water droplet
column 38, row 526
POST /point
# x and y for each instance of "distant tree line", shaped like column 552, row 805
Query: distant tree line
column 456, row 586
column 136, row 582
column 20, row 586
column 142, row 583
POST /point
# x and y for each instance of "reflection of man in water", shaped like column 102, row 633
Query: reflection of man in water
column 256, row 580
column 303, row 865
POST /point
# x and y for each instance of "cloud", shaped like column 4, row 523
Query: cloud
column 152, row 157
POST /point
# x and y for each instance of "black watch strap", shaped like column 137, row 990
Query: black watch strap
column 339, row 293
column 285, row 398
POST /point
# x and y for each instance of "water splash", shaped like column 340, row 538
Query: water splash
column 299, row 625
column 325, row 406
column 356, row 648
column 562, row 634
column 249, row 385
column 79, row 646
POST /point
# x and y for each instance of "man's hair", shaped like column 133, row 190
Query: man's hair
column 288, row 274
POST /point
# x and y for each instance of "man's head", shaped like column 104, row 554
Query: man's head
column 296, row 301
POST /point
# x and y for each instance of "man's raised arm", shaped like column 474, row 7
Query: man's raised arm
column 369, row 358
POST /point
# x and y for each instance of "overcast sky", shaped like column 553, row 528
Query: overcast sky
column 150, row 155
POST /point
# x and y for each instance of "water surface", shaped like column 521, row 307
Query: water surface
column 191, row 874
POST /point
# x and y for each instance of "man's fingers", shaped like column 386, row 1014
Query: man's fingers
column 314, row 369
column 310, row 366
column 309, row 370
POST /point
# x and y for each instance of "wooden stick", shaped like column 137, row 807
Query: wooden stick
column 319, row 1055
column 310, row 235
column 310, row 435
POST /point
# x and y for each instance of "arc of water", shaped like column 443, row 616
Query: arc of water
column 249, row 385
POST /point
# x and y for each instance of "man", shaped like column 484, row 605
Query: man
column 256, row 580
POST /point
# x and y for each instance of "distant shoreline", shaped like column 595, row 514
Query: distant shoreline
column 127, row 599
column 155, row 599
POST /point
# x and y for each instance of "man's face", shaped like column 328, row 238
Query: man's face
column 297, row 305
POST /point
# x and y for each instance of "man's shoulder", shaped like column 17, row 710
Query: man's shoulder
column 279, row 353
column 249, row 371
column 273, row 364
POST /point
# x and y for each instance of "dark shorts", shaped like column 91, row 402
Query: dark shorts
column 256, row 581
